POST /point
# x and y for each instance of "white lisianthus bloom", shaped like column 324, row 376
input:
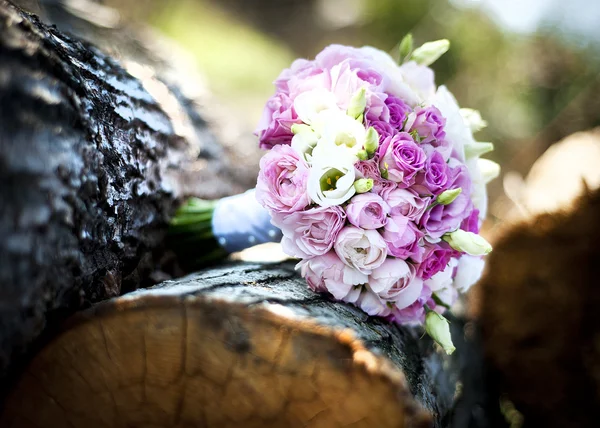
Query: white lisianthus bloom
column 331, row 180
column 304, row 142
column 310, row 103
column 340, row 135
column 468, row 272
column 457, row 131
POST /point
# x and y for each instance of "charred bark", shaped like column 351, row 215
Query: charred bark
column 240, row 345
column 93, row 163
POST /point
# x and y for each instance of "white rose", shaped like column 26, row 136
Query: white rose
column 364, row 250
column 331, row 180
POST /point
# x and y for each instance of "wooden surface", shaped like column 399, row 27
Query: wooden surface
column 240, row 345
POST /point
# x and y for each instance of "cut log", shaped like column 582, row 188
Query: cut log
column 540, row 327
column 92, row 165
column 242, row 345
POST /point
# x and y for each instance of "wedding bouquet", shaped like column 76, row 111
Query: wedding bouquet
column 376, row 182
column 373, row 179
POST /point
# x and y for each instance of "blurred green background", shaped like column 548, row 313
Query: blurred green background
column 532, row 67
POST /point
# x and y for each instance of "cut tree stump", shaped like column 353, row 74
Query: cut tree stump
column 93, row 163
column 241, row 345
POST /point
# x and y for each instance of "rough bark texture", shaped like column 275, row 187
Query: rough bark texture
column 240, row 345
column 539, row 317
column 93, row 163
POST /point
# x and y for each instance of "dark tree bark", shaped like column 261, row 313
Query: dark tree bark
column 240, row 345
column 93, row 163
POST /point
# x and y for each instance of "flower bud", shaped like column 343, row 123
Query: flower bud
column 430, row 52
column 447, row 197
column 363, row 185
column 473, row 119
column 362, row 155
column 489, row 169
column 358, row 102
column 438, row 328
column 477, row 149
column 406, row 47
column 371, row 141
column 468, row 242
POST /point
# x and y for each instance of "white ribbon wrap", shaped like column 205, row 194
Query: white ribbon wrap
column 240, row 222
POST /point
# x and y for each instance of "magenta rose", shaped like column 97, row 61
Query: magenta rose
column 275, row 125
column 328, row 273
column 281, row 185
column 363, row 250
column 398, row 111
column 471, row 223
column 402, row 237
column 442, row 219
column 383, row 128
column 406, row 203
column 402, row 158
column 310, row 233
column 434, row 179
column 367, row 211
column 433, row 258
column 428, row 123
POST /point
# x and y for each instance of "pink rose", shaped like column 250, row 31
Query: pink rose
column 402, row 158
column 310, row 233
column 402, row 237
column 367, row 211
column 364, row 250
column 370, row 303
column 281, row 185
column 406, row 202
column 428, row 123
column 433, row 258
column 329, row 273
column 395, row 281
column 275, row 125
column 414, row 313
column 370, row 169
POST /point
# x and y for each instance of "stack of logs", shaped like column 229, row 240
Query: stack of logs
column 93, row 162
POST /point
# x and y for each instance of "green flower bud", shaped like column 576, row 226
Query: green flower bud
column 358, row 102
column 362, row 155
column 438, row 328
column 447, row 197
column 430, row 52
column 372, row 141
column 477, row 149
column 406, row 47
column 363, row 185
column 468, row 242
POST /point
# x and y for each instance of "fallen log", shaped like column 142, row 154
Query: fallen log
column 241, row 345
column 538, row 314
column 93, row 163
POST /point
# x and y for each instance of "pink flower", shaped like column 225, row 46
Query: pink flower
column 311, row 232
column 402, row 237
column 370, row 169
column 281, row 185
column 442, row 219
column 276, row 122
column 328, row 273
column 372, row 304
column 367, row 211
column 406, row 203
column 402, row 158
column 435, row 178
column 414, row 313
column 395, row 281
column 363, row 250
column 398, row 111
column 428, row 123
column 471, row 223
column 433, row 258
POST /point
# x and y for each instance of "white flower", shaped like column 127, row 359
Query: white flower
column 339, row 135
column 442, row 279
column 420, row 79
column 361, row 249
column 310, row 103
column 468, row 272
column 457, row 131
column 331, row 181
column 304, row 142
